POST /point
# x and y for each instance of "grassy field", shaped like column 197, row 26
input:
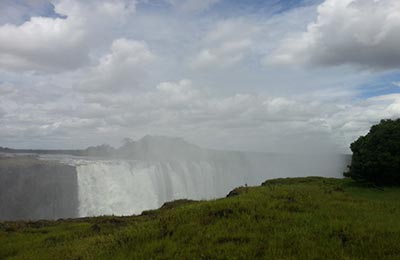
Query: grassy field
column 304, row 218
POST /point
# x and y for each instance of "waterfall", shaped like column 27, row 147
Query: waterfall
column 145, row 174
column 126, row 187
column 141, row 175
column 119, row 187
column 63, row 186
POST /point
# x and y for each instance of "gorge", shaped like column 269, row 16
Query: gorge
column 141, row 176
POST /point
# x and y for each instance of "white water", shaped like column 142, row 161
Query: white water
column 126, row 187
column 129, row 187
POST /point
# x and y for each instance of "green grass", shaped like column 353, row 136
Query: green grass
column 302, row 218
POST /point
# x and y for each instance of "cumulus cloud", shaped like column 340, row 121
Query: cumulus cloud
column 123, row 67
column 178, row 108
column 60, row 43
column 364, row 33
column 226, row 44
column 225, row 55
column 40, row 44
column 111, row 74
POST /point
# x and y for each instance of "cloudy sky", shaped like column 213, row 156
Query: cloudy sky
column 265, row 75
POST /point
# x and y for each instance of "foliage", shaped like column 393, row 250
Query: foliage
column 304, row 218
column 376, row 156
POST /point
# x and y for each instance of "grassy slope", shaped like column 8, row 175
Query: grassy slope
column 305, row 218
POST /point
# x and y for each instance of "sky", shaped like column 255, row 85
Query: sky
column 259, row 75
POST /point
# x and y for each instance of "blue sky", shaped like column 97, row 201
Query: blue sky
column 19, row 11
column 243, row 75
column 261, row 7
column 231, row 8
column 385, row 84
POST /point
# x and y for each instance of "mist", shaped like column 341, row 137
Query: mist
column 141, row 175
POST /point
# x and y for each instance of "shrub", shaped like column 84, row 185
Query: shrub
column 376, row 156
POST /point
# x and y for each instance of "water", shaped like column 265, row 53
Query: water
column 95, row 186
column 126, row 187
column 117, row 187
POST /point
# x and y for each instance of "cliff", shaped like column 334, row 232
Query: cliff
column 35, row 189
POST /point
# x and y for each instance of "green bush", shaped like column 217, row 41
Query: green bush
column 376, row 156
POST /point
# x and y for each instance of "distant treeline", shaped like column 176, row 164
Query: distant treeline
column 71, row 152
column 101, row 150
column 147, row 147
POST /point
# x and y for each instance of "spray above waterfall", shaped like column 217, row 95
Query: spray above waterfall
column 125, row 188
column 144, row 174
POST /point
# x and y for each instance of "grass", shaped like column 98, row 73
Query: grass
column 301, row 218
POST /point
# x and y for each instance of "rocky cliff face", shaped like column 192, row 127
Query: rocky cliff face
column 35, row 189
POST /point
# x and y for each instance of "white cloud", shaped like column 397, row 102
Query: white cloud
column 125, row 66
column 364, row 33
column 396, row 83
column 226, row 44
column 41, row 43
column 6, row 89
column 54, row 44
column 120, row 77
column 225, row 55
column 176, row 93
column 237, row 121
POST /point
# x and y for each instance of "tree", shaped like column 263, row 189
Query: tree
column 376, row 156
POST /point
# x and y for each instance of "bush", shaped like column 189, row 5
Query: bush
column 376, row 156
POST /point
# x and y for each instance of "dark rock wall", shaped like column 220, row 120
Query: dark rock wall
column 32, row 189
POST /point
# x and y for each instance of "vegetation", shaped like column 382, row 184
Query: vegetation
column 303, row 218
column 376, row 156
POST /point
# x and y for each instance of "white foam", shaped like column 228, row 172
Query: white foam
column 129, row 187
